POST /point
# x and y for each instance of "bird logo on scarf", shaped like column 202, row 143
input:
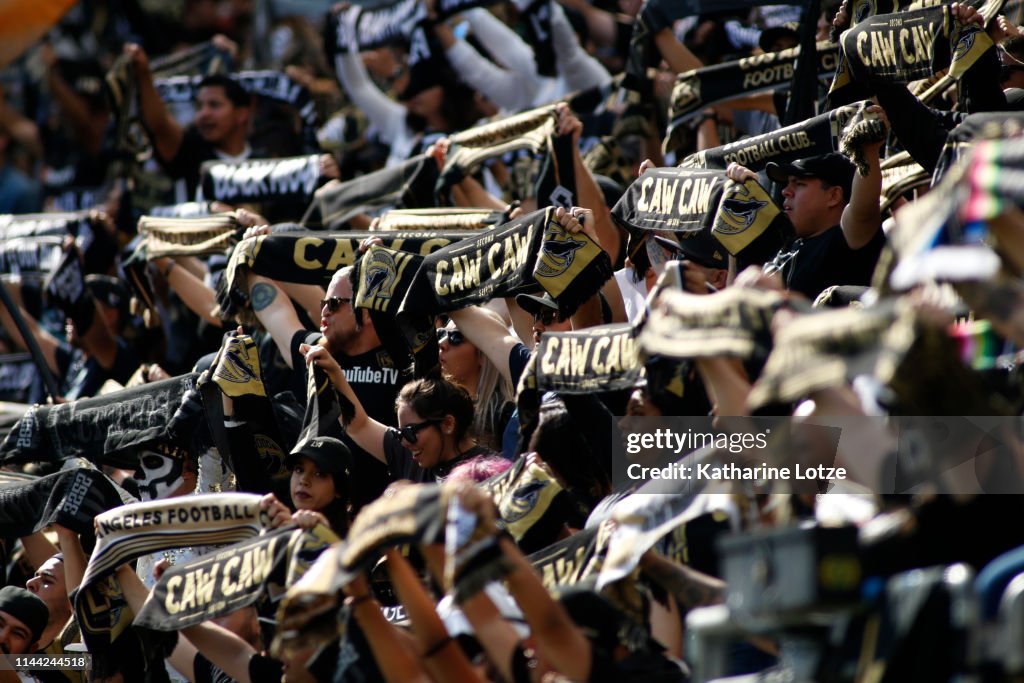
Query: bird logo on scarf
column 738, row 210
column 557, row 252
column 379, row 278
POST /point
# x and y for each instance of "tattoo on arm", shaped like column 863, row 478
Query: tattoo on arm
column 262, row 295
column 690, row 587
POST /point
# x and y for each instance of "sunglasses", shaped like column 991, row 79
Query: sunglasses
column 545, row 317
column 410, row 432
column 454, row 337
column 333, row 303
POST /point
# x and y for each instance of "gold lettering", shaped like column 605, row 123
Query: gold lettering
column 547, row 364
column 170, row 602
column 301, row 245
column 344, row 254
column 227, row 585
column 599, row 347
column 645, row 185
column 439, row 286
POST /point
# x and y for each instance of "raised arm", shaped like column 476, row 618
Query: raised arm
column 275, row 312
column 862, row 217
column 166, row 133
column 443, row 659
column 487, row 334
column 364, row 430
column 200, row 299
column 387, row 114
column 580, row 70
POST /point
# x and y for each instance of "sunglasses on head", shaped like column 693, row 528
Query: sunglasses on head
column 454, row 337
column 411, row 432
column 333, row 303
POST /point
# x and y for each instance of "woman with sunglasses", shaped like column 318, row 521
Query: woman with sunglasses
column 491, row 390
column 435, row 420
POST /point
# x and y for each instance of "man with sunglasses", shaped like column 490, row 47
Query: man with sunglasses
column 350, row 337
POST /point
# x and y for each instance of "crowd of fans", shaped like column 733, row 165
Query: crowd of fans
column 95, row 134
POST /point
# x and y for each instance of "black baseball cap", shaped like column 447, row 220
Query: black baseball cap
column 329, row 454
column 832, row 168
column 26, row 607
column 699, row 246
column 766, row 41
column 535, row 305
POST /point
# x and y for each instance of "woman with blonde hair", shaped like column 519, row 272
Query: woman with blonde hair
column 492, row 392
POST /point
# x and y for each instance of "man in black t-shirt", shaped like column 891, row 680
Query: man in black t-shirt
column 351, row 338
column 220, row 129
column 835, row 216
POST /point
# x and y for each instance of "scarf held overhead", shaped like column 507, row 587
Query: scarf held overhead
column 230, row 579
column 103, row 428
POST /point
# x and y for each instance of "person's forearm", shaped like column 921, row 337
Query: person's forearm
column 445, row 661
column 167, row 135
column 678, row 56
column 309, row 297
column 99, row 341
column 38, row 549
column 75, row 560
column 224, row 649
column 87, row 128
column 862, row 218
column 199, row 298
column 920, row 130
column 688, row 586
column 579, row 69
column 548, row 620
column 477, row 196
column 377, row 106
column 591, row 197
column 726, row 389
column 396, row 663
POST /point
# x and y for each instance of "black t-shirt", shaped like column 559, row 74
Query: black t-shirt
column 402, row 466
column 811, row 265
column 262, row 669
column 193, row 152
column 377, row 383
column 82, row 375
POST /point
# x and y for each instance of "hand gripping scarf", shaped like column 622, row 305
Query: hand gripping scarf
column 409, row 185
column 231, row 578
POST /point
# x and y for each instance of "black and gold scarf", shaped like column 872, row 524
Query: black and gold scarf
column 814, row 136
column 441, row 219
column 527, row 498
column 276, row 86
column 311, row 258
column 104, row 429
column 232, row 578
column 31, row 256
column 695, row 90
column 900, row 175
column 734, row 322
column 976, row 127
column 409, row 185
column 904, row 46
column 291, row 180
column 527, row 254
column 71, row 498
column 254, row 445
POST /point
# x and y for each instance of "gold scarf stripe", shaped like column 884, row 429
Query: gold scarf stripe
column 436, row 219
column 822, row 350
column 529, row 130
column 188, row 236
column 686, row 325
column 901, row 174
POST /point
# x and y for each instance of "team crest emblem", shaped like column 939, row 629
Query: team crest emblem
column 557, row 252
column 738, row 211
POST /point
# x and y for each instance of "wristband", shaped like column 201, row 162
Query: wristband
column 437, row 647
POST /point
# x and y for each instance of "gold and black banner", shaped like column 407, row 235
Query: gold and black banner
column 313, row 257
column 903, row 46
column 733, row 322
column 523, row 255
column 261, row 180
column 700, row 88
column 234, row 577
column 814, row 136
column 528, row 502
column 409, row 185
column 214, row 234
